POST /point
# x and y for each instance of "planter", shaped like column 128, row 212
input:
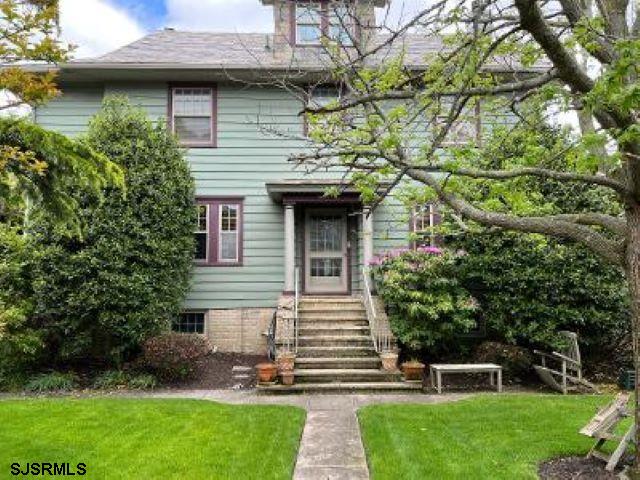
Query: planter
column 389, row 361
column 286, row 362
column 266, row 372
column 413, row 371
column 287, row 377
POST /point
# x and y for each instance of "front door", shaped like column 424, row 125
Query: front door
column 326, row 254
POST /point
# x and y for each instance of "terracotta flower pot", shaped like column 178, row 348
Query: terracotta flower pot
column 413, row 371
column 389, row 361
column 266, row 372
column 287, row 377
column 286, row 362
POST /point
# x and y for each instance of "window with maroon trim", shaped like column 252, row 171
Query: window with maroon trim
column 193, row 114
column 218, row 232
column 424, row 220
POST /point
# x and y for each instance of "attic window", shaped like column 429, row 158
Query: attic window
column 193, row 115
column 309, row 23
column 315, row 20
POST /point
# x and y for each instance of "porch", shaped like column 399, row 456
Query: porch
column 327, row 240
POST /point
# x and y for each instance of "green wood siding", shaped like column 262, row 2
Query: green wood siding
column 246, row 159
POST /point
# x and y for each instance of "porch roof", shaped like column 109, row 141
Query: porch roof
column 307, row 191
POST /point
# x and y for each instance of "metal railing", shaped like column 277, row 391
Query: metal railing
column 379, row 333
column 296, row 300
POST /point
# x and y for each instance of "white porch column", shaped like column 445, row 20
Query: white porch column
column 289, row 248
column 367, row 236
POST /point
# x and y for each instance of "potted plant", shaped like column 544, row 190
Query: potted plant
column 267, row 372
column 413, row 370
column 286, row 362
column 389, row 361
column 287, row 377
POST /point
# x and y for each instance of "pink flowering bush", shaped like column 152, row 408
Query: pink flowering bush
column 427, row 305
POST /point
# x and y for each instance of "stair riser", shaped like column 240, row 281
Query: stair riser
column 338, row 317
column 331, row 323
column 342, row 388
column 347, row 352
column 335, row 342
column 373, row 363
column 333, row 332
column 353, row 378
column 331, row 305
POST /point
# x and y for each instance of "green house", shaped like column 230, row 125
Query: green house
column 268, row 238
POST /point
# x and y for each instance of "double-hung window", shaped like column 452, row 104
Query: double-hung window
column 309, row 20
column 340, row 28
column 218, row 232
column 193, row 115
column 330, row 19
column 424, row 221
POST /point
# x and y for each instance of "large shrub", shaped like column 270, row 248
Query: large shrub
column 529, row 288
column 21, row 341
column 100, row 295
column 428, row 307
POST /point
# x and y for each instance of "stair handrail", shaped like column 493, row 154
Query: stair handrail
column 296, row 300
column 380, row 336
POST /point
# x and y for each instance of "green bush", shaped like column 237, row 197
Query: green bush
column 50, row 382
column 21, row 341
column 428, row 307
column 175, row 356
column 119, row 379
column 529, row 288
column 99, row 296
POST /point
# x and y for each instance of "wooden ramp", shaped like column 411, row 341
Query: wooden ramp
column 568, row 374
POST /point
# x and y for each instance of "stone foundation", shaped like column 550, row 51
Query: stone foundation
column 241, row 330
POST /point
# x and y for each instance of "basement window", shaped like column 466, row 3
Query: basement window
column 189, row 322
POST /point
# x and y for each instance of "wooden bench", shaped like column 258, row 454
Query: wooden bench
column 438, row 369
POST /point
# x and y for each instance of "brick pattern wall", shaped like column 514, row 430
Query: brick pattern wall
column 239, row 330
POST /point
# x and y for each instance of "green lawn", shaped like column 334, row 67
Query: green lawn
column 486, row 437
column 152, row 439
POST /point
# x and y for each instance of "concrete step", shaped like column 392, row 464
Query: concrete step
column 311, row 330
column 343, row 387
column 344, row 314
column 319, row 320
column 344, row 299
column 336, row 352
column 333, row 363
column 336, row 341
column 350, row 375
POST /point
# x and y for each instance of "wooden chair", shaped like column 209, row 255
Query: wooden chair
column 568, row 376
column 602, row 427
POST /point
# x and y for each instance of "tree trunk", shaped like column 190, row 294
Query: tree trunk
column 632, row 270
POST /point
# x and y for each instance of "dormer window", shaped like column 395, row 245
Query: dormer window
column 341, row 26
column 315, row 20
column 309, row 20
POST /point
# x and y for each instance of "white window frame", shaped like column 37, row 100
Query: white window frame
column 205, row 231
column 236, row 207
column 211, row 116
column 419, row 214
column 319, row 6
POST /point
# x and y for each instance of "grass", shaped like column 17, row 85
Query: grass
column 167, row 439
column 486, row 437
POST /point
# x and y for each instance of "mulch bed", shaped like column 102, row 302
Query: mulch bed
column 575, row 468
column 217, row 373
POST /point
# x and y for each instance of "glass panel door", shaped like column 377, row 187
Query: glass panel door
column 326, row 251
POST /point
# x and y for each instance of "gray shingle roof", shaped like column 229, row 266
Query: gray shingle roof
column 246, row 51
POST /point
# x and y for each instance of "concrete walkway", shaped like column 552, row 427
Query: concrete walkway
column 331, row 447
